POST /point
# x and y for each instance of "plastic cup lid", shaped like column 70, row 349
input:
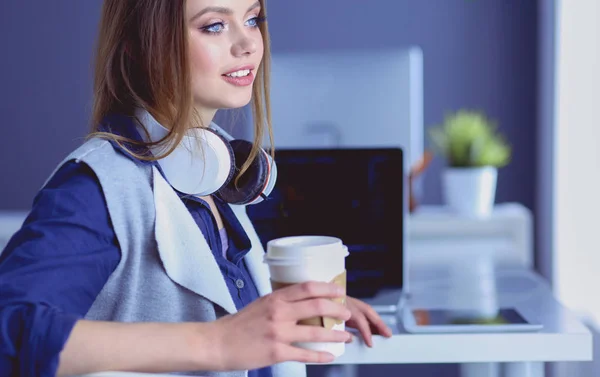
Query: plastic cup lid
column 296, row 248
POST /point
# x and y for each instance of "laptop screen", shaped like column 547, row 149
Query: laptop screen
column 353, row 194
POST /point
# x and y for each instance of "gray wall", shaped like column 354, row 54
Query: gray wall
column 477, row 53
column 45, row 76
column 546, row 130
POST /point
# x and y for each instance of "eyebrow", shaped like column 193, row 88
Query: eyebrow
column 222, row 10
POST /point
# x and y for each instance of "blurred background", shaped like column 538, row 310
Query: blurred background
column 531, row 67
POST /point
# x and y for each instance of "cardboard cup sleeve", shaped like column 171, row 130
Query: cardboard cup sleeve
column 326, row 322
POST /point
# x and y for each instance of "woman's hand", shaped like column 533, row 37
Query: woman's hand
column 262, row 333
column 366, row 320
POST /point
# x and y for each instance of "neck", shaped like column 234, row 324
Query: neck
column 203, row 116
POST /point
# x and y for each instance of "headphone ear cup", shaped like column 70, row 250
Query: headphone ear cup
column 232, row 158
column 253, row 182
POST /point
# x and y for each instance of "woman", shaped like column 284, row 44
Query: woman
column 138, row 254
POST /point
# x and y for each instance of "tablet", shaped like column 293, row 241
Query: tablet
column 451, row 321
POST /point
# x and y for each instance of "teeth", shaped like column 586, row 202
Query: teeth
column 242, row 73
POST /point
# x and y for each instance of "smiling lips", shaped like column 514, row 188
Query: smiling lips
column 242, row 76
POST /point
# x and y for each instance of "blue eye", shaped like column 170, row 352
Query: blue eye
column 215, row 28
column 254, row 22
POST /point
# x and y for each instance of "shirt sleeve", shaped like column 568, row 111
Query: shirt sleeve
column 52, row 270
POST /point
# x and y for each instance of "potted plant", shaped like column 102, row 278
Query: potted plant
column 474, row 151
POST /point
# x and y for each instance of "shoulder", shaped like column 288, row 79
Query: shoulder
column 98, row 167
column 74, row 192
column 110, row 165
column 73, row 177
column 68, row 215
column 99, row 150
column 124, row 184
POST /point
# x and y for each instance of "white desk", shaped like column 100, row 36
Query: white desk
column 564, row 337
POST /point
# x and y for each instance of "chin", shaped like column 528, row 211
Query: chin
column 227, row 99
column 235, row 101
column 234, row 104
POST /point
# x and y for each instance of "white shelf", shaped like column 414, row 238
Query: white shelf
column 428, row 219
column 435, row 233
column 10, row 222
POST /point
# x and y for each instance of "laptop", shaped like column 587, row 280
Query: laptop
column 355, row 194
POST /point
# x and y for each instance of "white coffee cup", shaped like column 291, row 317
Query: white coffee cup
column 299, row 259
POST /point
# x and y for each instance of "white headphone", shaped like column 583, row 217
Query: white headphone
column 208, row 161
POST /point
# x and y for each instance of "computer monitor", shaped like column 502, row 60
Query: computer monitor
column 359, row 98
column 355, row 194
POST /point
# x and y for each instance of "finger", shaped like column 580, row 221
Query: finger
column 319, row 307
column 311, row 289
column 350, row 338
column 305, row 333
column 291, row 353
column 362, row 325
column 381, row 328
column 375, row 319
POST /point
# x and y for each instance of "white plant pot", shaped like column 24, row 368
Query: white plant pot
column 470, row 191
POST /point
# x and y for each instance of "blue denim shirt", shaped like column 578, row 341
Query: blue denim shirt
column 67, row 240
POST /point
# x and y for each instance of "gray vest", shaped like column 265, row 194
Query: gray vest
column 167, row 271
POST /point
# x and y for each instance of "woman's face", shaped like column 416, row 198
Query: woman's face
column 226, row 49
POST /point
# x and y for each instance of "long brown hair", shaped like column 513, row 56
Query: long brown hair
column 142, row 61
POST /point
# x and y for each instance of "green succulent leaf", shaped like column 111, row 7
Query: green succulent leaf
column 468, row 139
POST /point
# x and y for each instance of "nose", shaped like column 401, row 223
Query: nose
column 245, row 45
